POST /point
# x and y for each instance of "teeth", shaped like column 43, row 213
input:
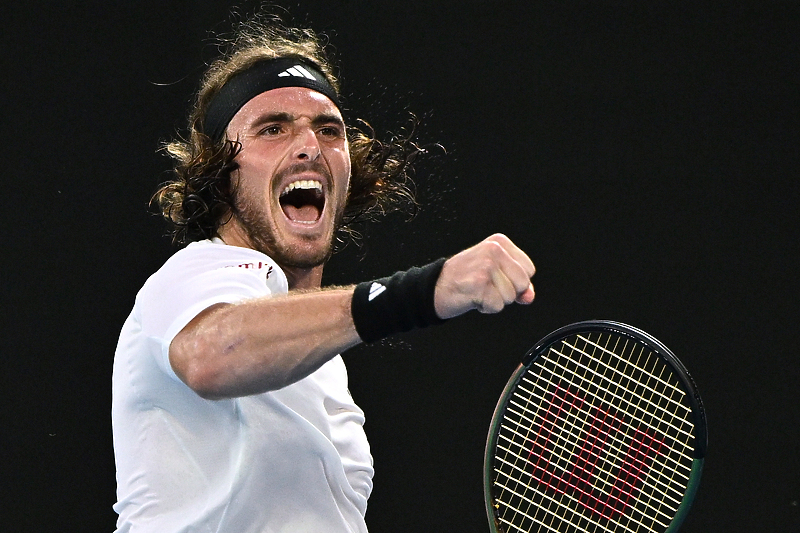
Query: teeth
column 302, row 184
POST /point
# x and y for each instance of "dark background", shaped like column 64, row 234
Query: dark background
column 644, row 156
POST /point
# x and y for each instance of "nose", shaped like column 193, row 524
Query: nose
column 306, row 146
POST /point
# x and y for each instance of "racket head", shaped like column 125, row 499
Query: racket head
column 600, row 428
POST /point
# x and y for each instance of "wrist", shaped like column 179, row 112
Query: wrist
column 397, row 303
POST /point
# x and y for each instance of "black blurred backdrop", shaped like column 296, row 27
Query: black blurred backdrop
column 644, row 156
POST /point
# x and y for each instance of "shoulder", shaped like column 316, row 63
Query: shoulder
column 215, row 258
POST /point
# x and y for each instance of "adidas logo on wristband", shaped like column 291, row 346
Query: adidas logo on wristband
column 374, row 290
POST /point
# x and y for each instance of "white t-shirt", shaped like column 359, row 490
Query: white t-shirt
column 292, row 460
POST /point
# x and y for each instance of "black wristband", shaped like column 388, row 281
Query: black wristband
column 401, row 302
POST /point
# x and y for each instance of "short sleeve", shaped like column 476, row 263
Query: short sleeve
column 184, row 288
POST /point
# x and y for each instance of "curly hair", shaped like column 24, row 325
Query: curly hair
column 199, row 198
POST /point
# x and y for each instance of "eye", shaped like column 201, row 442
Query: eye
column 333, row 132
column 272, row 129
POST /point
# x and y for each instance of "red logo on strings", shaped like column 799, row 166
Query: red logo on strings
column 577, row 477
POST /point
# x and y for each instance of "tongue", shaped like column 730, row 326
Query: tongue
column 306, row 213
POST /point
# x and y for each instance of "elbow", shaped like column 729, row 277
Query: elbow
column 193, row 365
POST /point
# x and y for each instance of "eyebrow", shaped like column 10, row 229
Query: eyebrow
column 318, row 120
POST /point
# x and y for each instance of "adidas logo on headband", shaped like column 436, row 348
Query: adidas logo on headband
column 261, row 77
column 298, row 71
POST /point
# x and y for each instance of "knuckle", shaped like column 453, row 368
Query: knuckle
column 483, row 277
column 496, row 306
column 494, row 249
column 485, row 268
column 500, row 238
column 511, row 296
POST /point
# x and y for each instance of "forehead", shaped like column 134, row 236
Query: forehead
column 296, row 102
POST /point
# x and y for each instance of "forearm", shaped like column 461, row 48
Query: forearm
column 263, row 344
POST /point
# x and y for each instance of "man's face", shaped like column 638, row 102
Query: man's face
column 293, row 174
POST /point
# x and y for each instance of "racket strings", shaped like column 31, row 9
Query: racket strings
column 633, row 383
column 596, row 437
column 613, row 504
column 584, row 495
column 615, row 445
column 651, row 415
column 628, row 486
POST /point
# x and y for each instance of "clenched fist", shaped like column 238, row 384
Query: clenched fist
column 486, row 277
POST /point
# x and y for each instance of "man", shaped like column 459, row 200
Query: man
column 230, row 404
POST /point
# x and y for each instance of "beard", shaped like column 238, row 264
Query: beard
column 252, row 218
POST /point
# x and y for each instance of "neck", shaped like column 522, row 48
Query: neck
column 303, row 278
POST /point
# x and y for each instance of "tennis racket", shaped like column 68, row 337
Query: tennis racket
column 599, row 429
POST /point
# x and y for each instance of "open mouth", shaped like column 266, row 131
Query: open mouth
column 302, row 201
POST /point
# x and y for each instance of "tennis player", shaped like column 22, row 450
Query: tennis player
column 231, row 411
